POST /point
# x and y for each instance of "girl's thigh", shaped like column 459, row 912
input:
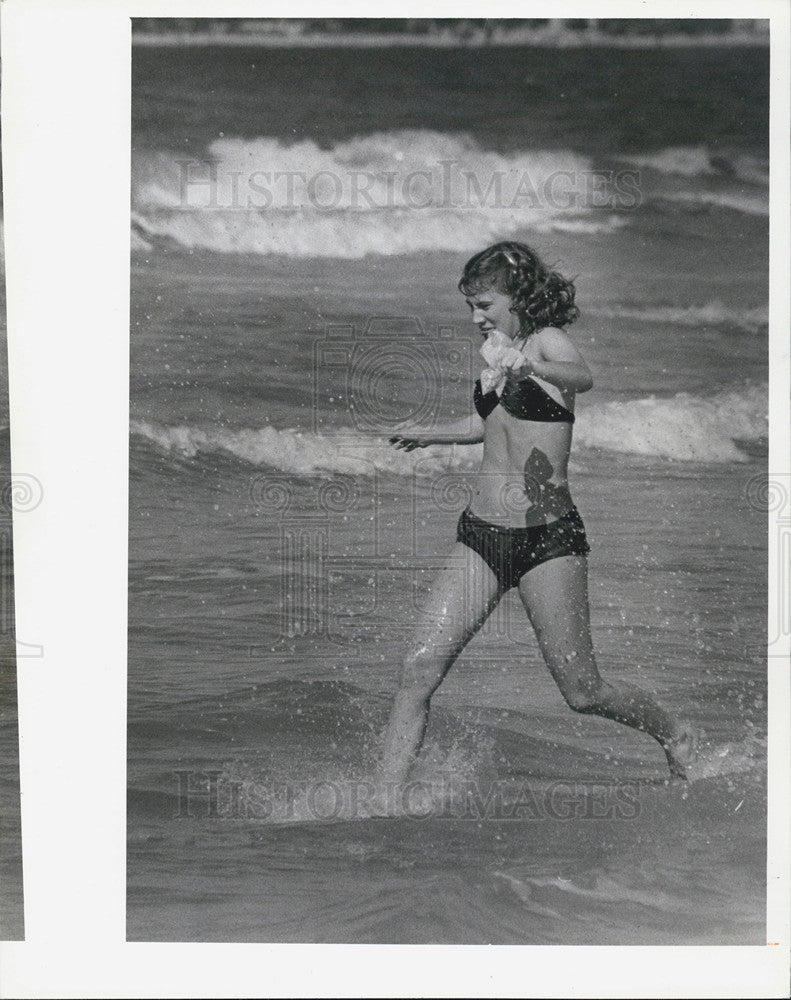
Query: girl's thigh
column 555, row 596
column 459, row 600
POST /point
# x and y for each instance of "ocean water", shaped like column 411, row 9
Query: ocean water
column 11, row 904
column 299, row 222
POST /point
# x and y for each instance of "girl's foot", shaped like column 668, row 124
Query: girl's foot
column 682, row 751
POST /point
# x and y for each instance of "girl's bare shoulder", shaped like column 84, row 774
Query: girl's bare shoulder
column 555, row 344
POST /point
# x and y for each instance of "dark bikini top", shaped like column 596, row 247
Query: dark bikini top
column 524, row 399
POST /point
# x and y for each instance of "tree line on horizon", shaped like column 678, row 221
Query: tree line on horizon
column 461, row 27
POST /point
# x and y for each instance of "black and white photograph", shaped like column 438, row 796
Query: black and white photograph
column 395, row 441
column 448, row 481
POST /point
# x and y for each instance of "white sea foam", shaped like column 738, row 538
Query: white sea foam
column 683, row 427
column 724, row 759
column 403, row 191
column 385, row 193
column 304, row 452
column 597, row 224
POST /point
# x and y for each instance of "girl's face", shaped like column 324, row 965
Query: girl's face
column 491, row 310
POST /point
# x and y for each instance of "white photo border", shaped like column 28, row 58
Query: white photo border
column 66, row 110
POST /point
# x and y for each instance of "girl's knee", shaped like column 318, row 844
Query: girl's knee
column 582, row 700
column 420, row 674
column 577, row 678
column 412, row 700
column 584, row 696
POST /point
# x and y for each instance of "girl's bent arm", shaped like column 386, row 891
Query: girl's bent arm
column 563, row 374
column 561, row 363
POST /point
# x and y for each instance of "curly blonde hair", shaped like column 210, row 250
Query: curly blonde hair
column 541, row 297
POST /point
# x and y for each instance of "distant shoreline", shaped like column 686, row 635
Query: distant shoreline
column 534, row 39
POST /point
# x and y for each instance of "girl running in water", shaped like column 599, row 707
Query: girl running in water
column 521, row 528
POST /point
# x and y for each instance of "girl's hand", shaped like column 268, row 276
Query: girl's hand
column 520, row 374
column 406, row 443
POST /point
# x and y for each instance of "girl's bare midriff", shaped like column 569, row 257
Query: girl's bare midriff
column 523, row 478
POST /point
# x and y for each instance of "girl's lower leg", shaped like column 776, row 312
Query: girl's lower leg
column 633, row 707
column 404, row 737
column 555, row 595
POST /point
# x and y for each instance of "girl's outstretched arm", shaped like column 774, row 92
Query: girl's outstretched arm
column 466, row 430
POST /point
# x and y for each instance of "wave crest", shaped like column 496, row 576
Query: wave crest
column 714, row 313
column 411, row 190
column 682, row 428
column 699, row 161
column 387, row 193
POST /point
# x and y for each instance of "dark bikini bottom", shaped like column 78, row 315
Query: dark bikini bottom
column 512, row 552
